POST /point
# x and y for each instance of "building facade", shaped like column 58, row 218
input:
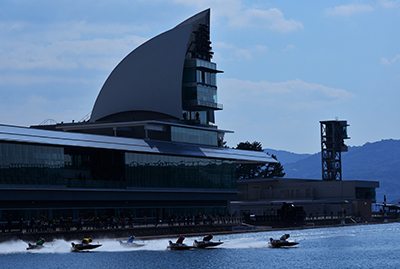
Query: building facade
column 319, row 198
column 150, row 147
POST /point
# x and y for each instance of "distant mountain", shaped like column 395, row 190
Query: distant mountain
column 285, row 157
column 377, row 161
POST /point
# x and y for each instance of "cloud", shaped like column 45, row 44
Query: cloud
column 60, row 48
column 243, row 54
column 223, row 45
column 385, row 61
column 294, row 94
column 33, row 109
column 347, row 10
column 237, row 54
column 289, row 47
column 29, row 80
column 389, row 4
column 272, row 19
column 240, row 17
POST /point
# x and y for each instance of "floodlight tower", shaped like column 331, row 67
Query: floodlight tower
column 333, row 134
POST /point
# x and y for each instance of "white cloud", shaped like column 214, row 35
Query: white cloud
column 289, row 47
column 223, row 45
column 29, row 80
column 65, row 54
column 260, row 48
column 293, row 94
column 243, row 54
column 272, row 19
column 240, row 17
column 389, row 4
column 385, row 61
column 347, row 10
column 237, row 54
column 33, row 109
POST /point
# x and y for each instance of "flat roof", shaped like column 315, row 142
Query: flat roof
column 101, row 125
column 357, row 182
column 57, row 138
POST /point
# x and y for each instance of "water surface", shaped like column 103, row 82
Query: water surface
column 364, row 246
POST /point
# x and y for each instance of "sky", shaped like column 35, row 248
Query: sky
column 287, row 64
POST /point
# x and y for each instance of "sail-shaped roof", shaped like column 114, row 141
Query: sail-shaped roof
column 149, row 79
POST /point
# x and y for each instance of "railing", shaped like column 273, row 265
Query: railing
column 204, row 103
column 90, row 224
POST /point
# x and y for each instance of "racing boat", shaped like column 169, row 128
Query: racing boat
column 131, row 244
column 31, row 246
column 278, row 244
column 179, row 244
column 206, row 242
column 79, row 247
column 282, row 242
column 85, row 245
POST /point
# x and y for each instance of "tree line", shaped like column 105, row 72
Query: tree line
column 252, row 171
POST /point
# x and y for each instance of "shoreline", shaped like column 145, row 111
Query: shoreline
column 151, row 233
column 257, row 230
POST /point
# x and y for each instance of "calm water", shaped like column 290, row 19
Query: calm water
column 367, row 246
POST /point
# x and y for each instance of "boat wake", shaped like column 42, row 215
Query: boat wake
column 259, row 240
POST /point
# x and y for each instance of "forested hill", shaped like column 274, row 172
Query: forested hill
column 377, row 161
column 285, row 157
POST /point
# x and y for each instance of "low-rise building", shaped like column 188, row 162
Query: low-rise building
column 319, row 198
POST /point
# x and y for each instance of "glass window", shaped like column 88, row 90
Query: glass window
column 20, row 164
column 76, row 167
column 179, row 172
column 194, row 136
column 207, row 94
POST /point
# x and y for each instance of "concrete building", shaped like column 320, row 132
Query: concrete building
column 319, row 198
column 150, row 147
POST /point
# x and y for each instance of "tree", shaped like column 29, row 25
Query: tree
column 272, row 169
column 249, row 171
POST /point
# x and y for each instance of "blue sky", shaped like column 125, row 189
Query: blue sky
column 287, row 64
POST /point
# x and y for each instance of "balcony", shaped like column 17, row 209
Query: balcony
column 200, row 103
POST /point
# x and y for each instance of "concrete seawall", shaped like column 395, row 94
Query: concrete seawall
column 140, row 233
column 152, row 232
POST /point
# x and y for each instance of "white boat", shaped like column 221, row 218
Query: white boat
column 131, row 244
column 278, row 244
column 206, row 242
column 31, row 246
column 85, row 245
column 282, row 242
column 179, row 245
column 80, row 247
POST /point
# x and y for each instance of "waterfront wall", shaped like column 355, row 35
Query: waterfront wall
column 124, row 233
column 144, row 230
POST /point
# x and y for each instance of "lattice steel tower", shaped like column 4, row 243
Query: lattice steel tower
column 333, row 134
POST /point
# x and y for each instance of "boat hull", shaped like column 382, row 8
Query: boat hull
column 130, row 245
column 32, row 247
column 202, row 244
column 80, row 247
column 282, row 244
column 176, row 246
